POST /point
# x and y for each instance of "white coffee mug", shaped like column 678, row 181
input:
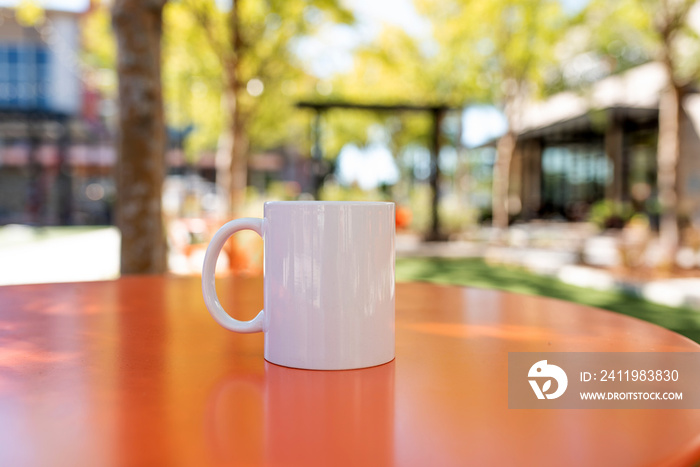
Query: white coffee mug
column 328, row 287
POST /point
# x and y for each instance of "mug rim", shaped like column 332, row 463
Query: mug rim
column 331, row 203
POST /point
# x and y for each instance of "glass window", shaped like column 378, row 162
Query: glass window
column 573, row 177
column 24, row 70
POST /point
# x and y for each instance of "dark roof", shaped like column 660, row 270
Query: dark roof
column 593, row 123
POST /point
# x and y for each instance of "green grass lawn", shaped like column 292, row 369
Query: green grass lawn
column 475, row 272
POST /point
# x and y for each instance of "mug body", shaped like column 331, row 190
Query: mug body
column 329, row 284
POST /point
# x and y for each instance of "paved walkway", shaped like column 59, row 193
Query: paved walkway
column 412, row 246
column 30, row 255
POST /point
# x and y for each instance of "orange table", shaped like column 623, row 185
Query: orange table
column 135, row 372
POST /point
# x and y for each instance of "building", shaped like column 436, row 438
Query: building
column 38, row 68
column 53, row 167
column 576, row 149
column 57, row 157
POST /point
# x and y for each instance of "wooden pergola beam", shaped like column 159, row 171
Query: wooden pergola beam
column 327, row 105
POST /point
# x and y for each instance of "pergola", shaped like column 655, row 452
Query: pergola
column 438, row 113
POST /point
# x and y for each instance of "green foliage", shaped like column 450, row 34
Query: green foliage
column 29, row 13
column 99, row 49
column 395, row 69
column 625, row 33
column 619, row 34
column 335, row 192
column 419, row 200
column 607, row 213
column 191, row 80
column 494, row 49
column 456, row 218
column 268, row 32
column 196, row 39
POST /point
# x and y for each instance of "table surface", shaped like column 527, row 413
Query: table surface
column 135, row 372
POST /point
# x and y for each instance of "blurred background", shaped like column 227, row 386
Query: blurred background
column 552, row 137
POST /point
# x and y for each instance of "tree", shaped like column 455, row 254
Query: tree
column 670, row 25
column 500, row 51
column 141, row 135
column 201, row 67
column 661, row 28
column 252, row 42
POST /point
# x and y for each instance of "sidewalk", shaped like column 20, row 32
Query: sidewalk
column 676, row 292
column 30, row 255
column 410, row 245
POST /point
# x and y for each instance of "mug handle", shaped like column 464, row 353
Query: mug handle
column 209, row 286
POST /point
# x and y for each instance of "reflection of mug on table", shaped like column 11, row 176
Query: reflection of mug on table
column 329, row 418
column 329, row 283
column 308, row 417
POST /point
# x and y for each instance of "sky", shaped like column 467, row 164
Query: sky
column 62, row 5
column 353, row 163
column 330, row 51
column 481, row 124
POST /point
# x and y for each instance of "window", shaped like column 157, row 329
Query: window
column 24, row 76
column 573, row 175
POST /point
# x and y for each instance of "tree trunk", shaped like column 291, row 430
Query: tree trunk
column 232, row 155
column 668, row 154
column 232, row 160
column 223, row 168
column 239, row 161
column 435, row 178
column 141, row 137
column 232, row 178
column 501, row 178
